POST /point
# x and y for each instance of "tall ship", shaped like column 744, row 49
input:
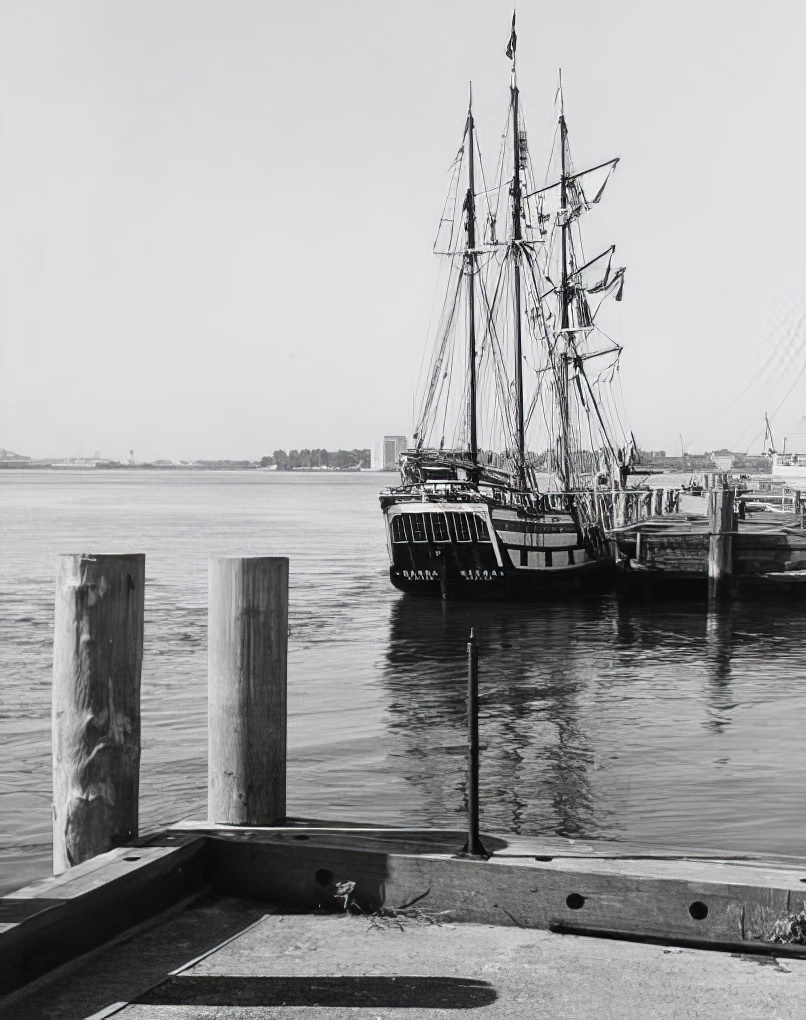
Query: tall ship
column 508, row 488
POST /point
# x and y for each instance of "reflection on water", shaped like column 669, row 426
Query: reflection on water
column 607, row 718
column 536, row 755
column 661, row 722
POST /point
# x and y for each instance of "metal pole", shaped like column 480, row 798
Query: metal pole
column 474, row 846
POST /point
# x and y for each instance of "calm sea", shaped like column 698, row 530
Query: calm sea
column 655, row 722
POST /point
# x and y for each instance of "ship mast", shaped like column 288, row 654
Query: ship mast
column 563, row 379
column 517, row 236
column 470, row 272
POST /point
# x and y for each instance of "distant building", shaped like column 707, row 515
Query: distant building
column 393, row 446
column 723, row 459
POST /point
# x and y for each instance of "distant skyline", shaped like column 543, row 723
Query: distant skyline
column 218, row 217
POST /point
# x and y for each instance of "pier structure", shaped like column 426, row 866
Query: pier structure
column 728, row 541
column 235, row 870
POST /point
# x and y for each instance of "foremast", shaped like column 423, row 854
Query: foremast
column 578, row 284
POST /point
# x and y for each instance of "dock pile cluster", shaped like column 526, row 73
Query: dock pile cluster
column 744, row 544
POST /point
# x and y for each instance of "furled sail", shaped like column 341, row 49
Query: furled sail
column 583, row 190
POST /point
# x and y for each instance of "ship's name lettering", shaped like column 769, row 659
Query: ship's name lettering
column 468, row 575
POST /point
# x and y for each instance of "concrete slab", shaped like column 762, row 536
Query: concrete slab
column 416, row 965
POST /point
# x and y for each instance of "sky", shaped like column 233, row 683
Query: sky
column 217, row 215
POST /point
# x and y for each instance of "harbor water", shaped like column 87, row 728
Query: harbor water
column 660, row 722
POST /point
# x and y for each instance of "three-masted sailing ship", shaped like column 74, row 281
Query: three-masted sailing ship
column 508, row 486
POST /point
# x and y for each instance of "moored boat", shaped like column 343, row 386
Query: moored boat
column 789, row 468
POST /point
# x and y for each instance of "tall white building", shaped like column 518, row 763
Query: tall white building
column 388, row 457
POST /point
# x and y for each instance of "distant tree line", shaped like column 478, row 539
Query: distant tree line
column 338, row 460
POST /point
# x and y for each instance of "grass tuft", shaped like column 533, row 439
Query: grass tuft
column 790, row 930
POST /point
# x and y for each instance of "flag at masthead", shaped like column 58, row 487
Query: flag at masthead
column 513, row 40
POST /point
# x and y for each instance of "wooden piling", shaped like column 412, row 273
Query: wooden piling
column 721, row 525
column 97, row 663
column 621, row 499
column 247, row 652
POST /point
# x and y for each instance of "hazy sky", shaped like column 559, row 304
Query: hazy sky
column 217, row 217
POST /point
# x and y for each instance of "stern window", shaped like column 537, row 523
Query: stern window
column 482, row 530
column 418, row 528
column 462, row 526
column 398, row 529
column 439, row 526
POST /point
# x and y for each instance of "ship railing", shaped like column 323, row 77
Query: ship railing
column 631, row 506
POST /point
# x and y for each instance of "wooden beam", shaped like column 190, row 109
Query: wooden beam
column 54, row 920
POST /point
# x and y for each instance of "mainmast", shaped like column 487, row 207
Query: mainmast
column 517, row 236
column 470, row 272
column 563, row 375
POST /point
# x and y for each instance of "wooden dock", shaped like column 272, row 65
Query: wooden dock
column 748, row 545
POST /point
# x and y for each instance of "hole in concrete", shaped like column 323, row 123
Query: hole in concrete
column 301, row 836
column 542, row 857
column 325, row 877
column 698, row 910
column 575, row 901
column 131, row 858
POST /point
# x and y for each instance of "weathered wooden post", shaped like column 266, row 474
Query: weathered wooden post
column 247, row 673
column 721, row 525
column 97, row 662
column 623, row 512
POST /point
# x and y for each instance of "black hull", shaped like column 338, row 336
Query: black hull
column 463, row 546
column 594, row 579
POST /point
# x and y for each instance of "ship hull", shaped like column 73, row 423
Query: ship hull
column 591, row 579
column 474, row 550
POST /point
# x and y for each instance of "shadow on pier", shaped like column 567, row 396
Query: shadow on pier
column 347, row 992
